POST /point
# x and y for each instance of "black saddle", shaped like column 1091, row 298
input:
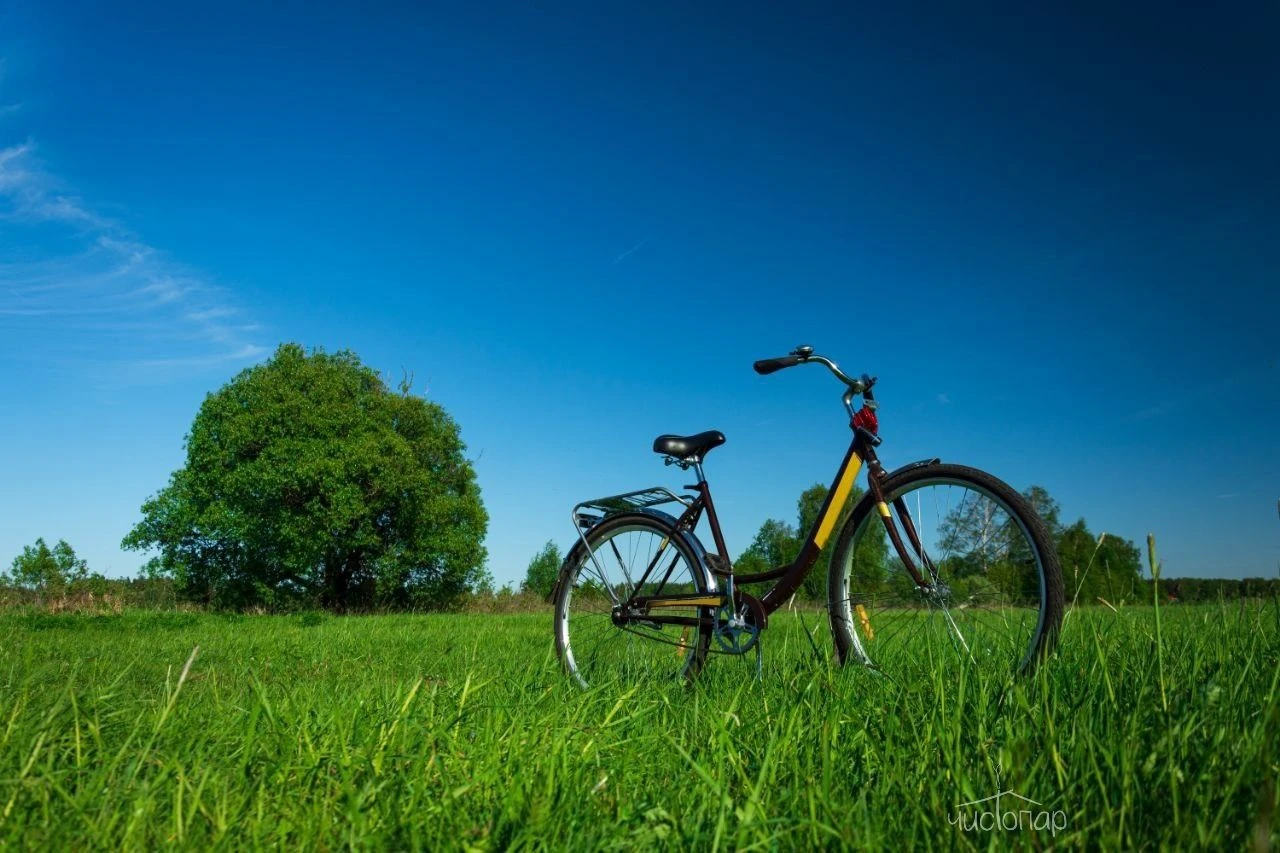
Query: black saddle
column 688, row 446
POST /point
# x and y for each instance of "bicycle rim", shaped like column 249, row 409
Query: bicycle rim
column 986, row 600
column 626, row 558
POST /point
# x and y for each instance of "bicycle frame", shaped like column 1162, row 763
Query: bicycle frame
column 788, row 577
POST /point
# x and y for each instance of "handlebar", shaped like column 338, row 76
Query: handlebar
column 804, row 355
column 772, row 365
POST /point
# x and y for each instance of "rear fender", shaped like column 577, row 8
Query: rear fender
column 578, row 551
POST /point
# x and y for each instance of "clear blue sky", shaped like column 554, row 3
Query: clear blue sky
column 1053, row 235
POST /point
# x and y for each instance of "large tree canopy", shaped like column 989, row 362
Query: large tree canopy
column 307, row 477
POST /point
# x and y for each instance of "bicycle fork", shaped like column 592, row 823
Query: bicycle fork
column 875, row 479
column 930, row 586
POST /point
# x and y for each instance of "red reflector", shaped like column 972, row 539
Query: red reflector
column 866, row 419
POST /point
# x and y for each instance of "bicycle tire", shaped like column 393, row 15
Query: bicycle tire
column 1002, row 611
column 636, row 650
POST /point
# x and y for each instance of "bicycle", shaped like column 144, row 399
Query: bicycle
column 639, row 595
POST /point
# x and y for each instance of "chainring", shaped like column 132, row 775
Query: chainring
column 738, row 631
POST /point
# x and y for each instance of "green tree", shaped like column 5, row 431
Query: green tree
column 975, row 536
column 482, row 582
column 985, row 548
column 1093, row 567
column 778, row 543
column 807, row 509
column 750, row 562
column 47, row 571
column 540, row 577
column 1121, row 563
column 307, row 477
column 1046, row 507
column 774, row 545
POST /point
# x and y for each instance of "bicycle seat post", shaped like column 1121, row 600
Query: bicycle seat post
column 685, row 464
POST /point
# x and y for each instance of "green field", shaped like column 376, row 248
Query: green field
column 450, row 731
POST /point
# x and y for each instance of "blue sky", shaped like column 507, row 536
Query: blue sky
column 1053, row 234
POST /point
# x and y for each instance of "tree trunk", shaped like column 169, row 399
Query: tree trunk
column 335, row 585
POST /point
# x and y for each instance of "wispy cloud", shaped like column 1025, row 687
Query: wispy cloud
column 98, row 292
column 629, row 252
column 944, row 399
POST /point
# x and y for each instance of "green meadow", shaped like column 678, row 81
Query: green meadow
column 198, row 730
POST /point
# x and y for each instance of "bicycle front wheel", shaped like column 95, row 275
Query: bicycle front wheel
column 986, row 593
column 600, row 636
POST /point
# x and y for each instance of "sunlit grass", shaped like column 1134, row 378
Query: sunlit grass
column 456, row 731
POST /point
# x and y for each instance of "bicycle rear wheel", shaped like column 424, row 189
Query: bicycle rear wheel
column 991, row 599
column 599, row 637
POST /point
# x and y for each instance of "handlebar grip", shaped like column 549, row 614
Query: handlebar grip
column 766, row 366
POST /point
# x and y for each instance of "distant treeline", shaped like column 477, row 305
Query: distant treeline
column 95, row 593
column 1214, row 589
column 55, row 579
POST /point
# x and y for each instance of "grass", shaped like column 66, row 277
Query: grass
column 460, row 731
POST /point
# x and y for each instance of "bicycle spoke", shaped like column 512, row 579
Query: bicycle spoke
column 631, row 587
column 955, row 630
column 597, row 571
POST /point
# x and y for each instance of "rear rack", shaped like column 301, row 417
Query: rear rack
column 631, row 500
column 584, row 520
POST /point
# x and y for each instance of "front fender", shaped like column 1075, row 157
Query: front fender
column 868, row 498
column 911, row 466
